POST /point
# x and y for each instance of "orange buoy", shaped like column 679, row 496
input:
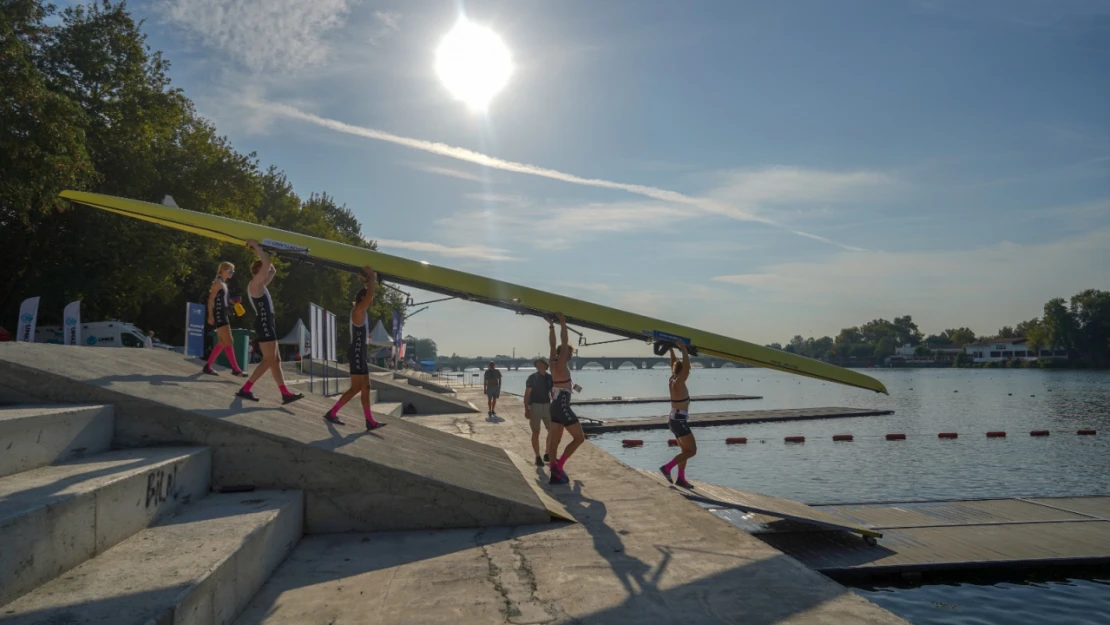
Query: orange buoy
column 996, row 434
column 1039, row 433
column 795, row 439
column 896, row 437
column 736, row 440
column 1086, row 432
column 631, row 442
column 842, row 437
column 672, row 443
column 948, row 435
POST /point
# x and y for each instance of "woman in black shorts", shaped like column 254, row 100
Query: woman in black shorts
column 265, row 327
column 219, row 317
column 357, row 355
column 680, row 408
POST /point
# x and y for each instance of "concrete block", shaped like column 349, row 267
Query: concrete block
column 200, row 566
column 35, row 436
column 405, row 476
column 56, row 517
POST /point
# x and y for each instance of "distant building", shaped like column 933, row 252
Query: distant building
column 998, row 350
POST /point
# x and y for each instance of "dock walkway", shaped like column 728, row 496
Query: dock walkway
column 926, row 536
column 706, row 419
column 604, row 401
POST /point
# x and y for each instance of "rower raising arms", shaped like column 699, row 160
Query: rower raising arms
column 562, row 416
column 680, row 407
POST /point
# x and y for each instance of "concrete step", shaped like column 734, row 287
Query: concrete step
column 200, row 566
column 56, row 517
column 35, row 436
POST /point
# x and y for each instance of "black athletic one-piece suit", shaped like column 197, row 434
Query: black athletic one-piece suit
column 357, row 354
column 264, row 323
column 220, row 308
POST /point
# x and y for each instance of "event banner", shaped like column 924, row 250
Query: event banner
column 194, row 329
column 28, row 315
column 322, row 333
column 71, row 319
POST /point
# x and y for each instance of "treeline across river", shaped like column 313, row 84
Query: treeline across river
column 87, row 105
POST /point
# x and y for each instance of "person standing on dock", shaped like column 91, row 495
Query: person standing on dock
column 562, row 417
column 492, row 386
column 680, row 407
column 358, row 356
column 219, row 317
column 265, row 327
column 537, row 405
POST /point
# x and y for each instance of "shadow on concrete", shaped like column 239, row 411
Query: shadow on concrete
column 155, row 379
column 19, row 501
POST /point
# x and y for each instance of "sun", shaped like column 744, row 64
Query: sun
column 473, row 63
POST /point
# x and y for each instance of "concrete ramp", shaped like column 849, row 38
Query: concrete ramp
column 724, row 497
column 404, row 476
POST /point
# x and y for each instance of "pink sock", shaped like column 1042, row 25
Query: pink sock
column 335, row 409
column 682, row 473
column 231, row 359
column 214, row 355
column 670, row 466
column 562, row 461
column 284, row 390
column 247, row 387
column 369, row 417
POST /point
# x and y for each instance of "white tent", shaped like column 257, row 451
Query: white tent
column 295, row 335
column 379, row 336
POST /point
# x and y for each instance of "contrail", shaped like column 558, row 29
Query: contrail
column 470, row 156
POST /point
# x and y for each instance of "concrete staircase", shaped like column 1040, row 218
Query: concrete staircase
column 89, row 534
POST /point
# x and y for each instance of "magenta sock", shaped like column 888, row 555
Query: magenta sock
column 670, row 466
column 231, row 359
column 214, row 355
column 682, row 473
column 369, row 416
column 562, row 461
column 247, row 387
column 284, row 390
column 335, row 409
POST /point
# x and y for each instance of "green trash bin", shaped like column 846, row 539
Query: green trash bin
column 241, row 339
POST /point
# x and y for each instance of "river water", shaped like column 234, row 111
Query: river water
column 872, row 469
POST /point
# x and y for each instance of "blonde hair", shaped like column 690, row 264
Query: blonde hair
column 224, row 265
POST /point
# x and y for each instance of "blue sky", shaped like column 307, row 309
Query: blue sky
column 759, row 169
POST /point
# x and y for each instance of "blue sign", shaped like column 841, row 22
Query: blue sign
column 194, row 329
column 668, row 338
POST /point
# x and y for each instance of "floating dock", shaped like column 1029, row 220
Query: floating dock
column 924, row 536
column 706, row 419
column 658, row 400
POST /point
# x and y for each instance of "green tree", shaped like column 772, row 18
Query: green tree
column 959, row 336
column 1006, row 332
column 1059, row 325
column 1090, row 311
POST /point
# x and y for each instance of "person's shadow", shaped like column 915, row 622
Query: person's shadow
column 632, row 572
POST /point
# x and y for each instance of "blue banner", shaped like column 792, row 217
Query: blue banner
column 194, row 329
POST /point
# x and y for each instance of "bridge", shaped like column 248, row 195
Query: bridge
column 578, row 363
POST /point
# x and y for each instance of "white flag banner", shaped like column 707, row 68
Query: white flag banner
column 332, row 354
column 28, row 316
column 71, row 320
column 315, row 323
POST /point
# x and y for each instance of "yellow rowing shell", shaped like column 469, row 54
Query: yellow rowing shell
column 471, row 287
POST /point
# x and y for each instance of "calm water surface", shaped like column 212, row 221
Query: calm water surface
column 871, row 469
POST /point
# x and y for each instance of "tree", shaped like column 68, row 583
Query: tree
column 959, row 336
column 1059, row 325
column 884, row 348
column 1090, row 312
column 426, row 349
column 1006, row 332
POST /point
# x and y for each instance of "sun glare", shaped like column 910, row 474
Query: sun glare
column 473, row 63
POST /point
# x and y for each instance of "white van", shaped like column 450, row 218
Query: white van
column 98, row 334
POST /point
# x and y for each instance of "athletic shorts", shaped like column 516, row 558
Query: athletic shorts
column 540, row 412
column 560, row 409
column 266, row 332
column 359, row 360
column 493, row 392
column 677, row 423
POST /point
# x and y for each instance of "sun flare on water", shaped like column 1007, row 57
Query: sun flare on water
column 473, row 63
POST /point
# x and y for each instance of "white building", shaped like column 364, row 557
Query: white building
column 998, row 350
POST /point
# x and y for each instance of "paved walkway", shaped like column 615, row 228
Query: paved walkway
column 639, row 553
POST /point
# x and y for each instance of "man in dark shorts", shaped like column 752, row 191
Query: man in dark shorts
column 492, row 386
column 562, row 417
column 537, row 404
column 262, row 273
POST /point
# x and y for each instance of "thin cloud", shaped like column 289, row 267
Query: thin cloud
column 274, row 35
column 388, row 22
column 447, row 171
column 480, row 252
column 708, row 205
